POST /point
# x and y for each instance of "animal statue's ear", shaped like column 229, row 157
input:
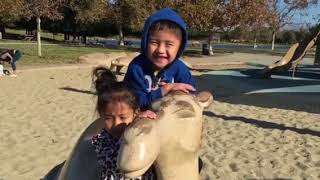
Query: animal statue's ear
column 205, row 98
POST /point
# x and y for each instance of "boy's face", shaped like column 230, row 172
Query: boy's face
column 163, row 47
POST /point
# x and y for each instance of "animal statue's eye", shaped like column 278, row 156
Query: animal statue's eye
column 138, row 128
column 184, row 113
column 144, row 130
column 184, row 104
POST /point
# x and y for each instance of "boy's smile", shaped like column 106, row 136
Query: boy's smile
column 163, row 47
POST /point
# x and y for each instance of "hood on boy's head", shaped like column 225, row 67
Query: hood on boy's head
column 168, row 15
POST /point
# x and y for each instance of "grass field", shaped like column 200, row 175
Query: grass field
column 56, row 51
column 51, row 53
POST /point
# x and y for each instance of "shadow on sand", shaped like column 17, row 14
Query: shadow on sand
column 300, row 93
column 77, row 90
column 264, row 124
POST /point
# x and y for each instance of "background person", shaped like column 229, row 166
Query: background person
column 11, row 56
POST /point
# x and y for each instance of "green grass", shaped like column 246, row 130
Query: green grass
column 54, row 50
column 51, row 53
column 44, row 35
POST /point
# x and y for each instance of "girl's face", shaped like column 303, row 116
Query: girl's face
column 118, row 115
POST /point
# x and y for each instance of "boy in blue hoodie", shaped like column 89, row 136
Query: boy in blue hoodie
column 158, row 70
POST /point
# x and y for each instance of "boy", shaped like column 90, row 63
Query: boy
column 10, row 56
column 158, row 70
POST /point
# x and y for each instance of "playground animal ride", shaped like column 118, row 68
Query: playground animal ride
column 171, row 142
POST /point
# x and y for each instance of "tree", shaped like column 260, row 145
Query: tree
column 199, row 15
column 83, row 13
column 283, row 11
column 115, row 14
column 9, row 7
column 213, row 16
column 130, row 14
column 289, row 37
column 50, row 9
column 9, row 11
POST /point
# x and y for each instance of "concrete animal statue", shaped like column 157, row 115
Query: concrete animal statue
column 121, row 62
column 171, row 142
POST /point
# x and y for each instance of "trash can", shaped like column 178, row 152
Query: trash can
column 205, row 49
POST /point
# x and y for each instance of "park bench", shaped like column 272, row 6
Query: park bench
column 29, row 38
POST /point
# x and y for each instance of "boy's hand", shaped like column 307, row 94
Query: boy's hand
column 169, row 87
column 148, row 114
column 162, row 83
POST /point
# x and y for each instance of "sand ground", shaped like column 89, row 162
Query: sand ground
column 259, row 136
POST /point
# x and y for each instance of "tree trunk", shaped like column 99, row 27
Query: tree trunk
column 121, row 38
column 66, row 36
column 210, row 48
column 255, row 43
column 210, row 44
column 83, row 39
column 39, row 36
column 273, row 40
column 2, row 31
column 317, row 56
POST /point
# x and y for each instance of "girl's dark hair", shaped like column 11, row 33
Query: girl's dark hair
column 108, row 89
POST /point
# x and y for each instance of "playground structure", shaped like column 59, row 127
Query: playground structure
column 292, row 58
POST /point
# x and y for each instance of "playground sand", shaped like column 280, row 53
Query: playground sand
column 44, row 111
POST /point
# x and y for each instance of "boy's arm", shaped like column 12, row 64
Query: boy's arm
column 183, row 75
column 183, row 80
column 141, row 86
column 171, row 87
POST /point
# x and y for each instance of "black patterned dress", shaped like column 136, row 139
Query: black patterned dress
column 107, row 149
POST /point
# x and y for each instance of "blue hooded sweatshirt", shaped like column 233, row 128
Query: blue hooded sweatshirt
column 141, row 74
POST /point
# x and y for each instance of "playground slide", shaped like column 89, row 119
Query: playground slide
column 292, row 58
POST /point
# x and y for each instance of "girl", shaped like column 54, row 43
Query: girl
column 118, row 106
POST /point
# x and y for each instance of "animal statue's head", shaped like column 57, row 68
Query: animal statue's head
column 172, row 140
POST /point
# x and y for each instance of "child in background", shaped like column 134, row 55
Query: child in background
column 117, row 106
column 158, row 70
